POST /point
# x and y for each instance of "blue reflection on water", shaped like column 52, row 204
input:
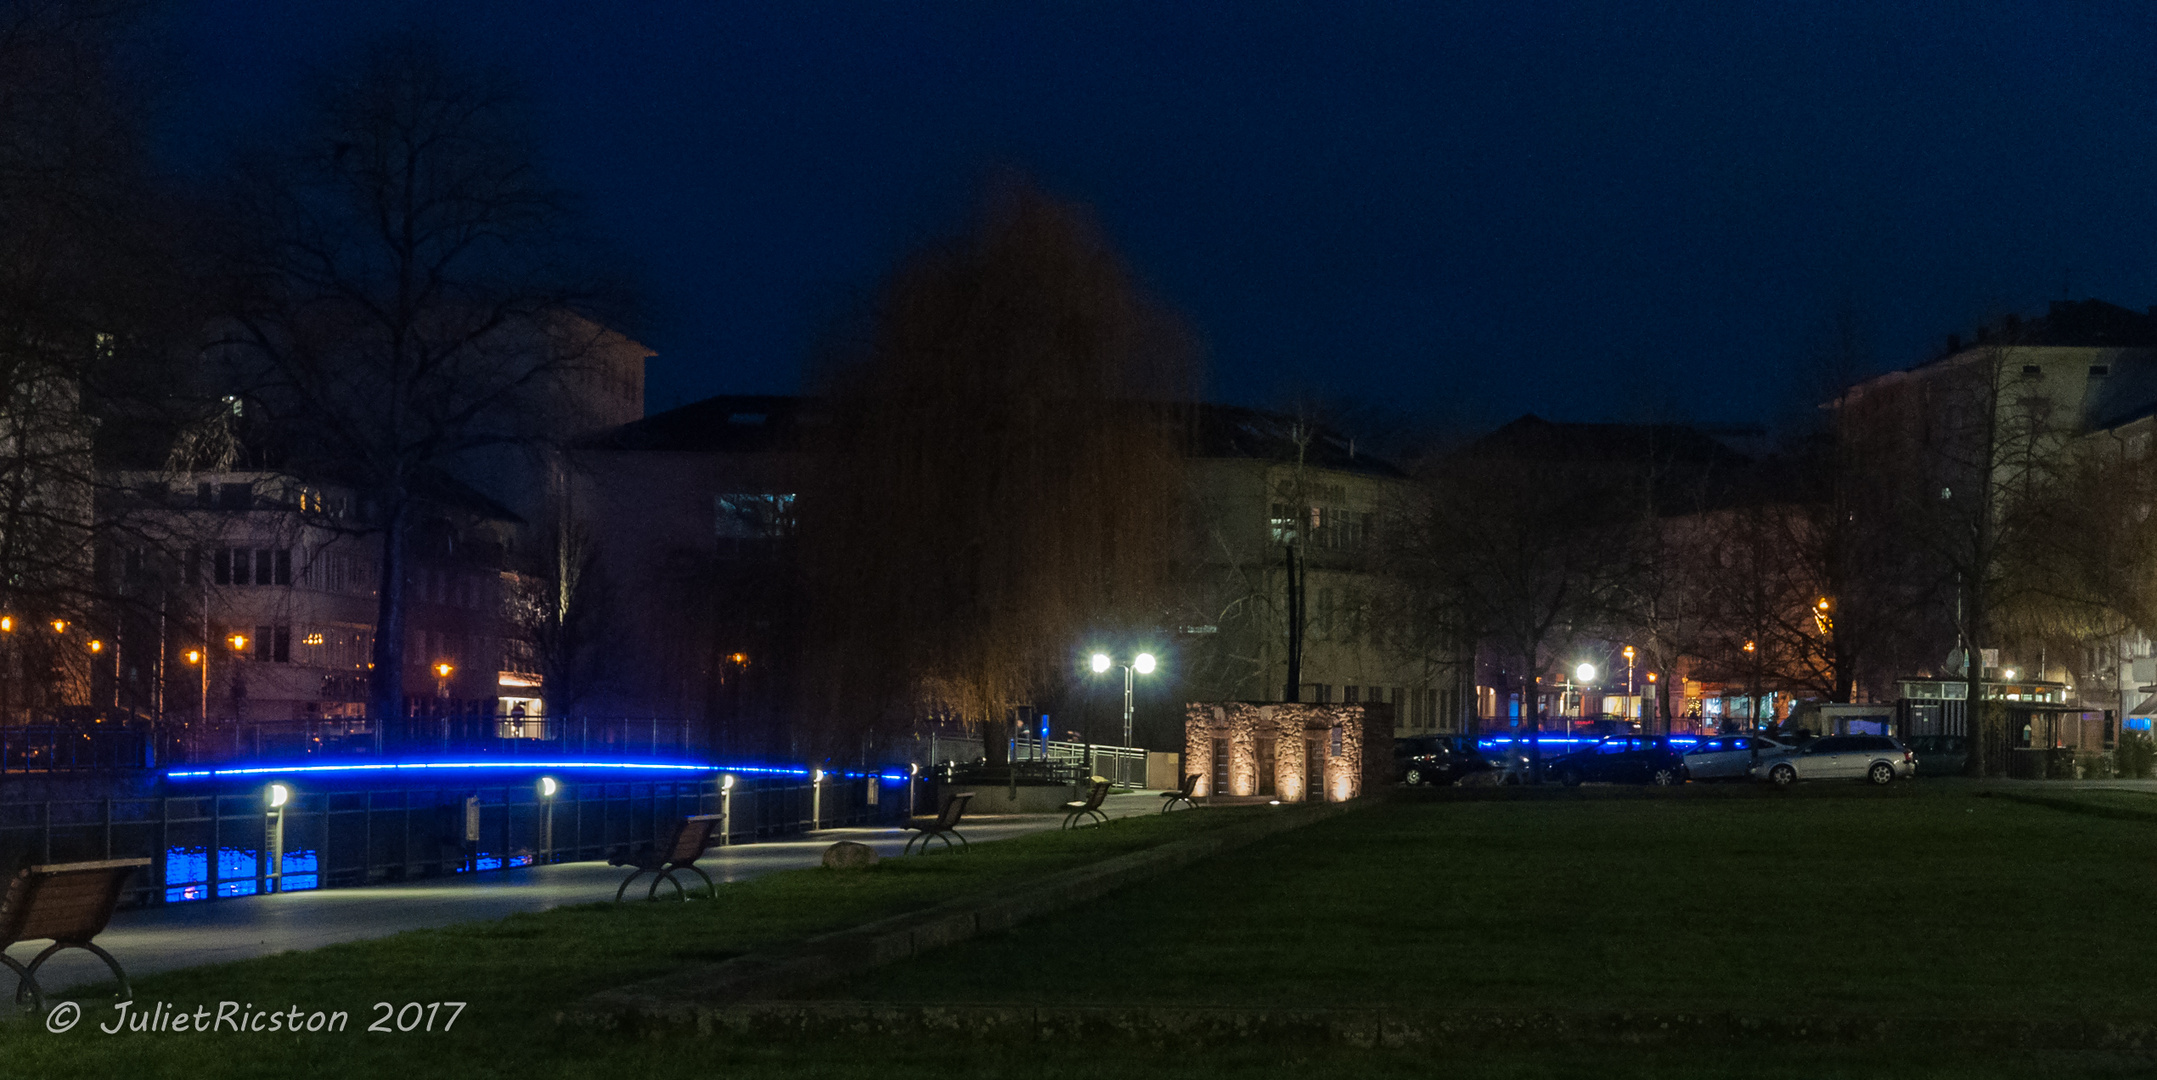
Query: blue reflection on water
column 187, row 872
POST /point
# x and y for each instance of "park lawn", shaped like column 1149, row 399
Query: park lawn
column 517, row 973
column 1918, row 902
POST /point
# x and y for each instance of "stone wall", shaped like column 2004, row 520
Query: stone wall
column 1356, row 742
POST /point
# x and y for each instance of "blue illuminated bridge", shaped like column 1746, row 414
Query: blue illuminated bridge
column 261, row 827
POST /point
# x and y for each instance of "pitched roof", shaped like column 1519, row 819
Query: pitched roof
column 725, row 424
column 766, row 423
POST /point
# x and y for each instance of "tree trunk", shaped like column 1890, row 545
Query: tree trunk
column 385, row 684
column 1531, row 713
column 995, row 741
column 1293, row 692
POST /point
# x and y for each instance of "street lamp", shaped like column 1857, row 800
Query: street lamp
column 1585, row 673
column 273, row 867
column 1631, row 711
column 547, row 790
column 195, row 657
column 1143, row 664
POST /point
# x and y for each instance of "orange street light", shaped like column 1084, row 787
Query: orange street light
column 1748, row 646
column 59, row 626
column 97, row 646
column 239, row 642
column 194, row 656
column 7, row 623
column 443, row 670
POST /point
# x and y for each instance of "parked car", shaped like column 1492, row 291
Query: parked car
column 1841, row 757
column 1449, row 759
column 1730, row 757
column 1622, row 759
column 1940, row 755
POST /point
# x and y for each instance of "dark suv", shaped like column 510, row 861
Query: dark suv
column 1621, row 759
column 1441, row 759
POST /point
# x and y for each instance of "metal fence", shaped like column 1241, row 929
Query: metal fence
column 1124, row 765
column 51, row 748
column 134, row 743
column 230, row 843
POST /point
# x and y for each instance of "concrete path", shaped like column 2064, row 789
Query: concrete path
column 167, row 937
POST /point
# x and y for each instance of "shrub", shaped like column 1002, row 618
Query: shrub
column 2136, row 756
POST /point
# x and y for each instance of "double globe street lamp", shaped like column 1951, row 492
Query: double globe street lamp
column 1143, row 664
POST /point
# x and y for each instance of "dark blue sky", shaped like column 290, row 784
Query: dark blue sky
column 1586, row 210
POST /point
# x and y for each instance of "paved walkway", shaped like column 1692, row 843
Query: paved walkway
column 167, row 937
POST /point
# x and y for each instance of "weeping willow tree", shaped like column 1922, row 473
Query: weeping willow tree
column 999, row 477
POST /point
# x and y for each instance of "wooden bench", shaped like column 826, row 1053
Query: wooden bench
column 943, row 826
column 69, row 903
column 691, row 837
column 1079, row 810
column 1181, row 795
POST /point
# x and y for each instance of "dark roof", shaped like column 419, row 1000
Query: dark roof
column 726, row 424
column 1532, row 438
column 1690, row 468
column 443, row 490
column 2083, row 324
column 1230, row 431
column 763, row 423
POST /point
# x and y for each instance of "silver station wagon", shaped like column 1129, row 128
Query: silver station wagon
column 1730, row 757
column 1841, row 757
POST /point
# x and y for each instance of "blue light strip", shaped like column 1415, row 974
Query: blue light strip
column 417, row 766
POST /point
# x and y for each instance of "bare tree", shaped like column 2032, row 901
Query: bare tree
column 1524, row 548
column 407, row 290
column 1000, row 482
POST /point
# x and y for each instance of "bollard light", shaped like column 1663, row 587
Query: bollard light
column 547, row 787
column 726, row 782
column 279, row 795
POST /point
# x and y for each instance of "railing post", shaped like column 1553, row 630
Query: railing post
column 217, row 840
column 161, row 874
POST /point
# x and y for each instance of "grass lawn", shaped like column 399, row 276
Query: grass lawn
column 1921, row 901
column 516, row 973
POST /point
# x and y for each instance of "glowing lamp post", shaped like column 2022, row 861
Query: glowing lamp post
column 273, row 866
column 1142, row 664
column 547, row 790
column 726, row 808
column 1585, row 674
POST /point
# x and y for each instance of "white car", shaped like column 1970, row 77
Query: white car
column 1840, row 757
column 1730, row 757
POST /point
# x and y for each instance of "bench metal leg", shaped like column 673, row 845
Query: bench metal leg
column 709, row 885
column 909, row 848
column 25, row 983
column 963, row 845
column 668, row 877
column 633, row 875
column 126, row 993
column 1099, row 817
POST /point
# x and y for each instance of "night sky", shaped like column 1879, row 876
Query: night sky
column 1591, row 211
